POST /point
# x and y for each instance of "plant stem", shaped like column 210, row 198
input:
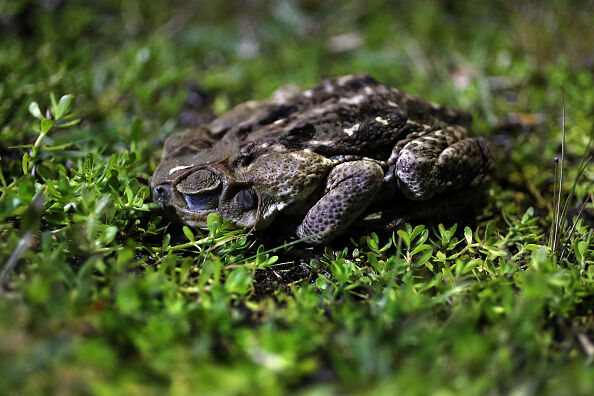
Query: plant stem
column 37, row 144
column 558, row 220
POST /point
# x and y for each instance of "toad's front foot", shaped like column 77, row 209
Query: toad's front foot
column 350, row 188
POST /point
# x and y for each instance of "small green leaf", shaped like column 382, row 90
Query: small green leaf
column 529, row 213
column 468, row 235
column 383, row 248
column 206, row 272
column 559, row 279
column 25, row 163
column 419, row 248
column 423, row 237
column 186, row 266
column 166, row 240
column 417, row 231
column 64, row 106
column 238, row 281
column 489, row 229
column 531, row 247
column 103, row 202
column 423, row 258
column 129, row 194
column 124, row 256
column 470, row 265
column 581, row 248
column 442, row 231
column 496, row 252
column 212, row 221
column 109, row 234
column 269, row 262
column 189, row 234
column 372, row 243
column 46, row 125
column 53, row 101
column 69, row 123
column 405, row 237
column 35, row 110
column 322, row 282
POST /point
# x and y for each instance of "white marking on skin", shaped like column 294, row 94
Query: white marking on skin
column 353, row 100
column 321, row 142
column 278, row 121
column 343, row 80
column 368, row 90
column 351, row 130
column 272, row 209
column 178, row 168
column 380, row 119
column 296, row 155
column 328, row 87
column 264, row 145
column 392, row 103
column 308, row 93
column 318, row 110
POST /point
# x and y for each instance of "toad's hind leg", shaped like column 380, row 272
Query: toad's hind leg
column 350, row 188
column 442, row 161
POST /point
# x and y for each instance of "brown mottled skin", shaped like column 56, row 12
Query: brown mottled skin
column 325, row 157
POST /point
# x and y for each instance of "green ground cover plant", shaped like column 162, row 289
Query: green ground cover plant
column 99, row 294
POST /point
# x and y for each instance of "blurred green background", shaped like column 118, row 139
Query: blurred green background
column 132, row 59
column 102, row 303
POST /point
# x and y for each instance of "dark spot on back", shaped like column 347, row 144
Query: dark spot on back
column 361, row 82
column 246, row 155
column 305, row 131
column 245, row 129
column 276, row 113
column 298, row 136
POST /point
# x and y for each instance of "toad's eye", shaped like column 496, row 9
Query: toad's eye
column 201, row 190
column 203, row 201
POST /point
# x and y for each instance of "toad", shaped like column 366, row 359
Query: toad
column 323, row 158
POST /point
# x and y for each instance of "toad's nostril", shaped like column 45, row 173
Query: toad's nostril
column 162, row 192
